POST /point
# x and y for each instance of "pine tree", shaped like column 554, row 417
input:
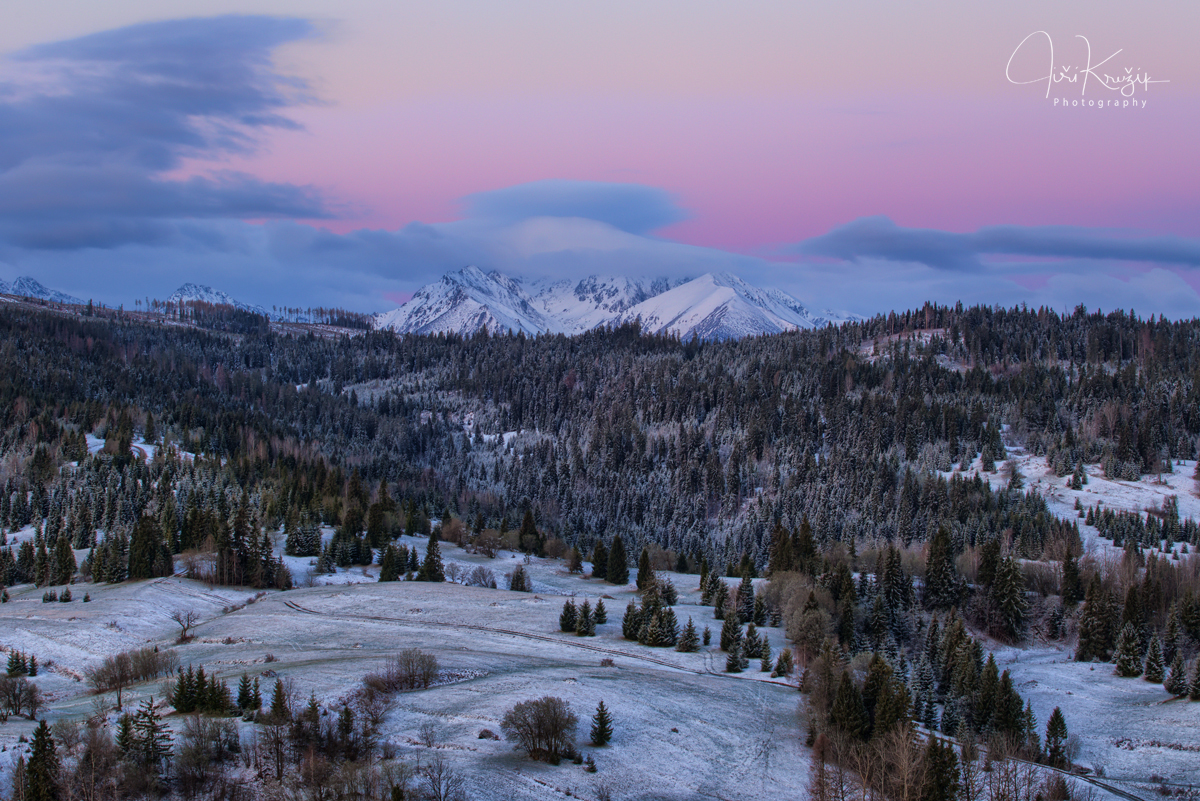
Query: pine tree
column 42, row 771
column 1154, row 662
column 256, row 696
column 1129, row 657
column 1056, row 739
column 600, row 616
column 645, row 574
column 575, row 561
column 1176, row 681
column 566, row 618
column 601, row 726
column 689, row 640
column 706, row 637
column 618, row 563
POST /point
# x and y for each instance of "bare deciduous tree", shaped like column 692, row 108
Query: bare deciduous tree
column 186, row 620
column 439, row 782
column 544, row 728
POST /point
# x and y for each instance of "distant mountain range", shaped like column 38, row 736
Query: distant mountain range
column 31, row 288
column 713, row 306
column 206, row 294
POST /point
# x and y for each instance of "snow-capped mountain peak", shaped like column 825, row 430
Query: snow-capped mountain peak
column 713, row 306
column 190, row 292
column 466, row 301
column 32, row 288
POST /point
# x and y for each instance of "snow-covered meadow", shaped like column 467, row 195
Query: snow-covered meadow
column 683, row 728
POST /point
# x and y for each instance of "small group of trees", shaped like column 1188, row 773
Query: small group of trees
column 194, row 691
column 119, row 671
column 582, row 620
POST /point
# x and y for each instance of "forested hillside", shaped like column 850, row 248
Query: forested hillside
column 700, row 447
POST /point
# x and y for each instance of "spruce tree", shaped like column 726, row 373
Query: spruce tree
column 1072, row 589
column 942, row 777
column 731, row 628
column 600, row 616
column 280, row 712
column 764, row 650
column 245, row 696
column 618, row 563
column 645, row 574
column 1194, row 687
column 733, row 662
column 631, row 624
column 519, row 580
column 942, row 587
column 1176, row 682
column 585, row 626
column 566, row 618
column 689, row 640
column 1154, row 662
column 601, row 726
column 848, row 714
column 1056, row 739
column 42, row 780
column 745, row 598
column 1129, row 657
column 784, row 663
column 720, row 597
column 432, row 568
column 151, row 740
column 600, row 561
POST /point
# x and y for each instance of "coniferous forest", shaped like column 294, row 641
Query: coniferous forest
column 864, row 470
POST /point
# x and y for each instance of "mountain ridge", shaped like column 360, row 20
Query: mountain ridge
column 712, row 306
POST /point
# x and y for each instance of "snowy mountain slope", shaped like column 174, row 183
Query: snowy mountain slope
column 31, row 288
column 466, row 302
column 720, row 306
column 190, row 292
column 582, row 305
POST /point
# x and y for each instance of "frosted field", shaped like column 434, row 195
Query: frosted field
column 1130, row 728
column 735, row 737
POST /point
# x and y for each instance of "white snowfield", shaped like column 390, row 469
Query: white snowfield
column 683, row 728
column 713, row 306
